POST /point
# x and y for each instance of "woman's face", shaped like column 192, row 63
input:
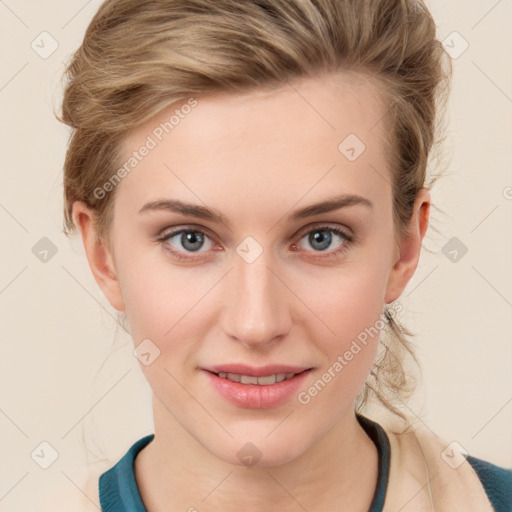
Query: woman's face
column 275, row 282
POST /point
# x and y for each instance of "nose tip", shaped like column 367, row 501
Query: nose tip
column 255, row 312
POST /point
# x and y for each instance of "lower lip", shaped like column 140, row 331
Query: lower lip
column 254, row 396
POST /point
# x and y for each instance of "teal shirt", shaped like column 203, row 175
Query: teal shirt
column 119, row 492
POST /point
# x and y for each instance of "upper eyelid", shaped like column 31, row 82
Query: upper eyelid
column 202, row 229
column 299, row 233
column 165, row 234
column 347, row 231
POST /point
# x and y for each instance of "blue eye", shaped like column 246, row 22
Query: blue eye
column 321, row 238
column 183, row 243
column 190, row 240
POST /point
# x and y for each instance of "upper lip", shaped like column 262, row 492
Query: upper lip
column 253, row 371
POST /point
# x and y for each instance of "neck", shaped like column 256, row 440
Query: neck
column 338, row 472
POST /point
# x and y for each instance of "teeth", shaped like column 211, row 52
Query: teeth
column 262, row 381
column 244, row 379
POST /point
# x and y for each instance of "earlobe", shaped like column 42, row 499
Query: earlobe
column 98, row 255
column 410, row 248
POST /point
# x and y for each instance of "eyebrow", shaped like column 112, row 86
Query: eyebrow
column 202, row 212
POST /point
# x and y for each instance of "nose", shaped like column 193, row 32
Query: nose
column 256, row 310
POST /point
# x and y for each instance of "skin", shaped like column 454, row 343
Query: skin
column 256, row 157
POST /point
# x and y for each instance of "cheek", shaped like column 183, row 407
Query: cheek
column 161, row 302
column 158, row 295
column 346, row 302
column 348, row 318
column 164, row 306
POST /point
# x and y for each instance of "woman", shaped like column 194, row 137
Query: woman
column 249, row 181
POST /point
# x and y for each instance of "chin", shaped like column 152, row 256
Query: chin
column 258, row 450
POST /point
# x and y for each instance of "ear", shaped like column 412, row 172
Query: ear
column 100, row 259
column 409, row 248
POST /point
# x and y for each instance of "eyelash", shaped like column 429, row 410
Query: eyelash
column 348, row 241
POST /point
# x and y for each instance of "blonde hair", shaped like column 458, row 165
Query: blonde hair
column 140, row 56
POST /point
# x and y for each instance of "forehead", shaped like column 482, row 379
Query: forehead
column 281, row 144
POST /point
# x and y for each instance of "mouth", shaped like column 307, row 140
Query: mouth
column 257, row 388
column 266, row 380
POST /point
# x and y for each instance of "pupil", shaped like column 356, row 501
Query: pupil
column 323, row 240
column 191, row 238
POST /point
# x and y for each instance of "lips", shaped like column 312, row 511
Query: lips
column 256, row 387
column 252, row 371
column 261, row 381
column 257, row 391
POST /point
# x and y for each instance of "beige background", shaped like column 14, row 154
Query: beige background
column 58, row 329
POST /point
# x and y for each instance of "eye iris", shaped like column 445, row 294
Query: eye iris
column 323, row 239
column 191, row 237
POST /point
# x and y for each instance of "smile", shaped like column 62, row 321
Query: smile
column 261, row 381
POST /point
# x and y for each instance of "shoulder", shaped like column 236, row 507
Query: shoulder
column 497, row 482
column 118, row 490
